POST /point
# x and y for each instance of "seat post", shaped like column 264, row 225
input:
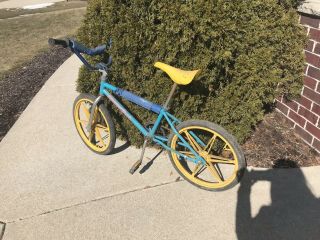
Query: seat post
column 166, row 105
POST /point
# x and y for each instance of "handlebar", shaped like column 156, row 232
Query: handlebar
column 60, row 42
column 89, row 51
column 78, row 48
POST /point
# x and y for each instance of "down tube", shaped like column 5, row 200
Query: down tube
column 126, row 113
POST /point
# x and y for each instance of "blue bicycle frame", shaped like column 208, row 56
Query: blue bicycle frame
column 162, row 114
column 161, row 111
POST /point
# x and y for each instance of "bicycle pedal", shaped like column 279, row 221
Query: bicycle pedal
column 135, row 166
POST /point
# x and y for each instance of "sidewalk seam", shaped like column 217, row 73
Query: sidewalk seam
column 96, row 200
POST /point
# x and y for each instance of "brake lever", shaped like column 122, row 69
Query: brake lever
column 109, row 43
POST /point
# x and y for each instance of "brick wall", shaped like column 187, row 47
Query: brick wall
column 304, row 113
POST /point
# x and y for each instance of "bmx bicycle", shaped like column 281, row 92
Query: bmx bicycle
column 202, row 152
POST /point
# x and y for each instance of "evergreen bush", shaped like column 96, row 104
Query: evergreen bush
column 250, row 52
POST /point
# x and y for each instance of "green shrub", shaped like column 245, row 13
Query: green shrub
column 249, row 51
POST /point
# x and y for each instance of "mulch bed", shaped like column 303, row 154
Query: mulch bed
column 273, row 144
column 19, row 86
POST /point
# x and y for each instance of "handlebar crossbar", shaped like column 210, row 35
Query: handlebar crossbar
column 78, row 48
column 89, row 51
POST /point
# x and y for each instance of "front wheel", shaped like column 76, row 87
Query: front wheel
column 224, row 161
column 101, row 139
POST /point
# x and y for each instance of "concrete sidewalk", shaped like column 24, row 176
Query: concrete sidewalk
column 53, row 187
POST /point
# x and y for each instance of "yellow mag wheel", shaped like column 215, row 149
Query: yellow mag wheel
column 224, row 161
column 102, row 138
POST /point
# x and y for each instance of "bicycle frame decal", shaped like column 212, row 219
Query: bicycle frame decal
column 162, row 114
column 132, row 97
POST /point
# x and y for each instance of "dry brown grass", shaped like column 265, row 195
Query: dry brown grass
column 23, row 37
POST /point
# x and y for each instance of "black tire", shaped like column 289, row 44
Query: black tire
column 103, row 123
column 224, row 148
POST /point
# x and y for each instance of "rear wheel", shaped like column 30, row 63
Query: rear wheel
column 102, row 138
column 224, row 160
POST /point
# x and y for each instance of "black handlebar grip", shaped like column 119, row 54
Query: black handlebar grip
column 60, row 42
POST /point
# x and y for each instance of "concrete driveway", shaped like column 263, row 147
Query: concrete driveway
column 53, row 187
column 22, row 3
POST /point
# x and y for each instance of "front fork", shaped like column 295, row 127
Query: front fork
column 93, row 112
column 103, row 78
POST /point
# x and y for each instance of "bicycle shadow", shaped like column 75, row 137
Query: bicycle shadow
column 121, row 148
column 150, row 162
column 294, row 212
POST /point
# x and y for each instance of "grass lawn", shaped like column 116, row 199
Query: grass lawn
column 23, row 37
column 14, row 12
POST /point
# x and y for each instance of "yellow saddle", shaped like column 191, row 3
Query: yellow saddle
column 177, row 75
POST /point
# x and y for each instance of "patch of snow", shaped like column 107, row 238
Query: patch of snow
column 310, row 7
column 36, row 6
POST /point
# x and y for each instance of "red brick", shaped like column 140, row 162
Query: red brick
column 317, row 48
column 309, row 46
column 309, row 82
column 304, row 134
column 313, row 72
column 318, row 88
column 290, row 104
column 308, row 115
column 311, row 95
column 312, row 59
column 316, row 109
column 297, row 119
column 313, row 130
column 312, row 22
column 284, row 109
column 316, row 144
column 305, row 102
column 314, row 34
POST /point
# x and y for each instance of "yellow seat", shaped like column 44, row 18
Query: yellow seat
column 177, row 75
